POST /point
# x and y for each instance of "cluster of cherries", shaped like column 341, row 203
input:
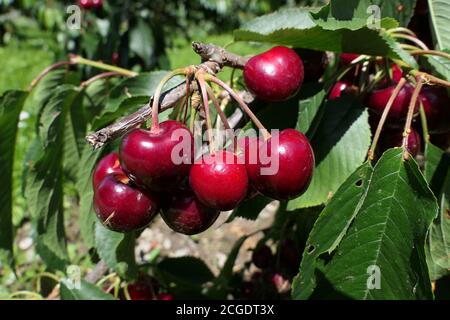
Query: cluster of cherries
column 132, row 186
column 91, row 4
column 434, row 100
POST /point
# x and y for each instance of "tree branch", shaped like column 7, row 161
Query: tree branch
column 214, row 58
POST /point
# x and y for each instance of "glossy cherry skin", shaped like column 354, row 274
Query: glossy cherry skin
column 436, row 104
column 122, row 207
column 97, row 4
column 219, row 181
column 341, row 88
column 109, row 164
column 262, row 257
column 186, row 214
column 86, row 4
column 295, row 167
column 147, row 158
column 394, row 138
column 378, row 99
column 274, row 75
column 347, row 58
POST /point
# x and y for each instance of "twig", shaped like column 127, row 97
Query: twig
column 409, row 117
column 214, row 59
column 97, row 273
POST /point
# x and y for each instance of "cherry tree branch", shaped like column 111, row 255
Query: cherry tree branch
column 214, row 58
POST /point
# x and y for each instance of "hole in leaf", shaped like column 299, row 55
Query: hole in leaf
column 359, row 183
column 310, row 249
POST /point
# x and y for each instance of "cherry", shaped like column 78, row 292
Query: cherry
column 219, row 180
column 289, row 255
column 145, row 288
column 107, row 165
column 394, row 138
column 436, row 102
column 123, row 207
column 341, row 88
column 347, row 58
column 86, row 4
column 378, row 99
column 164, row 296
column 395, row 76
column 115, row 58
column 152, row 158
column 97, row 3
column 292, row 161
column 262, row 257
column 274, row 75
column 186, row 214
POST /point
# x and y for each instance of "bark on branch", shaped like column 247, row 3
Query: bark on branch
column 214, row 58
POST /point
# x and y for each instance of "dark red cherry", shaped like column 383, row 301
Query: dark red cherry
column 394, row 138
column 123, row 207
column 115, row 58
column 145, row 288
column 86, row 4
column 97, row 4
column 377, row 100
column 347, row 58
column 164, row 296
column 274, row 75
column 158, row 160
column 341, row 88
column 289, row 254
column 285, row 166
column 436, row 104
column 186, row 214
column 219, row 181
column 262, row 256
column 109, row 164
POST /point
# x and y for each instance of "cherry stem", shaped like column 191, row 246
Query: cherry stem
column 428, row 78
column 186, row 102
column 157, row 95
column 431, row 52
column 100, row 65
column 401, row 30
column 241, row 103
column 409, row 47
column 221, row 114
column 423, row 120
column 409, row 117
column 383, row 118
column 46, row 71
column 99, row 76
column 202, row 84
column 412, row 39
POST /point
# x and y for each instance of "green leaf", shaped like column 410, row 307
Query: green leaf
column 11, row 103
column 86, row 291
column 250, row 208
column 384, row 225
column 137, row 91
column 439, row 13
column 186, row 271
column 142, row 41
column 437, row 173
column 298, row 28
column 311, row 98
column 44, row 184
column 117, row 250
column 391, row 8
column 340, row 146
column 440, row 65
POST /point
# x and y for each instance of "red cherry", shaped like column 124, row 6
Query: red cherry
column 347, row 58
column 378, row 99
column 107, row 165
column 262, row 257
column 164, row 296
column 143, row 289
column 115, row 58
column 159, row 160
column 314, row 63
column 219, row 181
column 274, row 75
column 287, row 170
column 86, row 4
column 122, row 207
column 341, row 88
column 97, row 4
column 186, row 214
column 394, row 138
column 436, row 104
